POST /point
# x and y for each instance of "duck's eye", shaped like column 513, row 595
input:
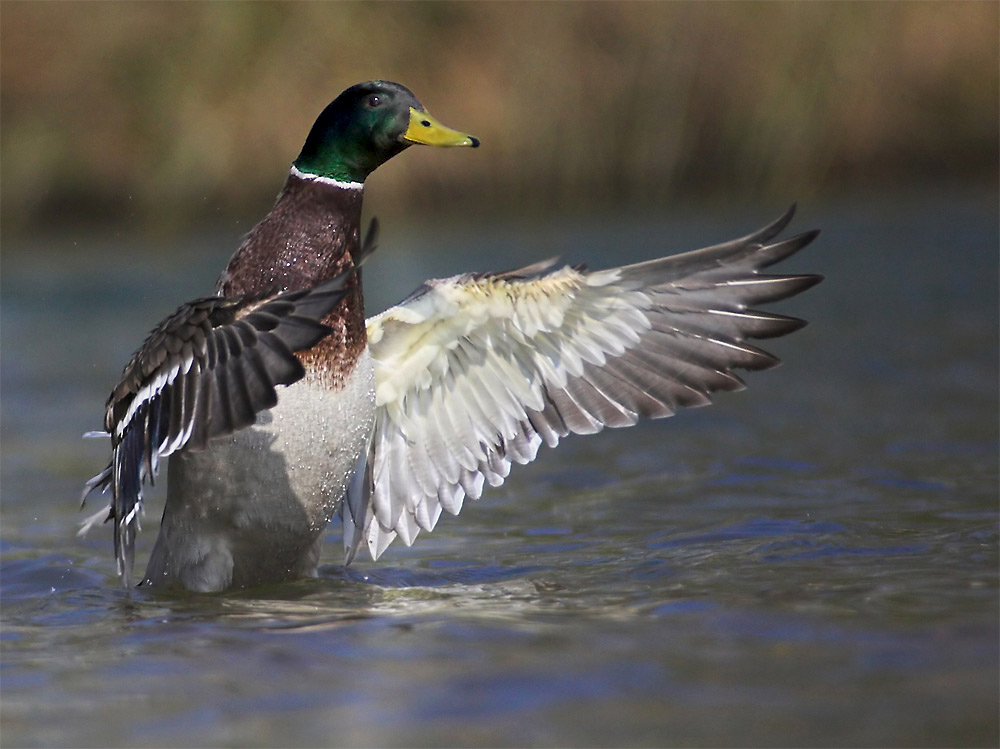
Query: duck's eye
column 374, row 100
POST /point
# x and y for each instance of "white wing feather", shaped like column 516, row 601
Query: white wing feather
column 474, row 373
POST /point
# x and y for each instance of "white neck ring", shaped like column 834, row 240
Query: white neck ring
column 326, row 180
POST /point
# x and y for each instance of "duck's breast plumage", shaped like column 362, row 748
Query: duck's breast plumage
column 254, row 506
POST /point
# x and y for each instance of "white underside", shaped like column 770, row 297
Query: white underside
column 253, row 507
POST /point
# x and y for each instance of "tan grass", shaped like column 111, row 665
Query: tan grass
column 163, row 114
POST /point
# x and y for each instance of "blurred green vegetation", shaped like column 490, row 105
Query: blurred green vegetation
column 164, row 116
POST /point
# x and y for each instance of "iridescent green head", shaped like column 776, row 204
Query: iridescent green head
column 366, row 126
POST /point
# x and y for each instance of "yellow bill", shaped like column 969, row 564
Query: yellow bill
column 427, row 131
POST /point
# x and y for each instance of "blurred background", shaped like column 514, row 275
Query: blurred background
column 165, row 117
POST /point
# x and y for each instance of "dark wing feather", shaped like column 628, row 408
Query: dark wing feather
column 204, row 372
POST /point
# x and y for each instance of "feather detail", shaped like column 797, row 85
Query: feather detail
column 204, row 372
column 475, row 372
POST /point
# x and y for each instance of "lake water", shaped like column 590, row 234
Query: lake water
column 813, row 561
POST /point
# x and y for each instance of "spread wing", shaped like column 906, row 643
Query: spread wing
column 206, row 371
column 475, row 372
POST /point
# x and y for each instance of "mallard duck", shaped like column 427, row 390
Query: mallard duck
column 281, row 406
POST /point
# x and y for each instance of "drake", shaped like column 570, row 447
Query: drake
column 280, row 406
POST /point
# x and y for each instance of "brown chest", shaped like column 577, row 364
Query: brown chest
column 333, row 360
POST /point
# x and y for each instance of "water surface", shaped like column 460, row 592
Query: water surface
column 811, row 562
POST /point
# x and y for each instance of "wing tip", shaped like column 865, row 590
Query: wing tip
column 775, row 227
